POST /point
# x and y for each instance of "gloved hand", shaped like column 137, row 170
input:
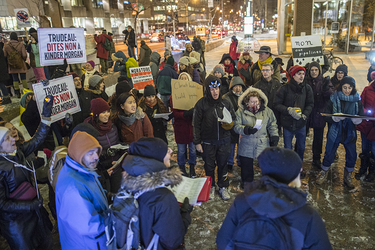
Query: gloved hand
column 293, row 113
column 47, row 106
column 188, row 113
column 337, row 118
column 274, row 140
column 227, row 126
column 248, row 130
column 68, row 119
column 356, row 121
column 185, row 212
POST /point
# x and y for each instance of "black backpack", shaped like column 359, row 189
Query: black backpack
column 107, row 44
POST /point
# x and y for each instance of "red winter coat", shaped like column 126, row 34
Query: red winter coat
column 183, row 128
column 367, row 98
column 101, row 52
column 233, row 50
column 243, row 64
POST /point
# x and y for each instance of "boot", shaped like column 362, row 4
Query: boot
column 183, row 170
column 317, row 163
column 321, row 177
column 6, row 100
column 24, row 83
column 361, row 174
column 192, row 171
column 371, row 171
column 348, row 179
column 17, row 93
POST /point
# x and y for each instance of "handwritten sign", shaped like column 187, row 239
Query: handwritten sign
column 141, row 76
column 57, row 44
column 65, row 98
column 307, row 49
column 185, row 94
column 23, row 17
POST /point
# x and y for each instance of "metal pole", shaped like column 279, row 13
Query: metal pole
column 350, row 22
column 222, row 18
column 325, row 28
column 372, row 31
column 209, row 19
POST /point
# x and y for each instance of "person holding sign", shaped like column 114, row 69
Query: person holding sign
column 343, row 130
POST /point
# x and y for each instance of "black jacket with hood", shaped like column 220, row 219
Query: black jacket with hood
column 336, row 82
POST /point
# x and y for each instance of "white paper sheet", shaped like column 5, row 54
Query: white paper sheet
column 258, row 124
column 227, row 118
column 162, row 115
column 190, row 188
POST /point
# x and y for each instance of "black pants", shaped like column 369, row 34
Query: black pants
column 317, row 143
column 247, row 170
column 220, row 153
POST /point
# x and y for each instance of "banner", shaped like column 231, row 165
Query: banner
column 56, row 44
column 141, row 76
column 65, row 98
column 307, row 49
column 185, row 94
column 23, row 17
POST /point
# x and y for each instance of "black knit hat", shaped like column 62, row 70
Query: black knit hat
column 342, row 68
column 85, row 127
column 149, row 90
column 150, row 147
column 281, row 164
column 170, row 61
column 122, row 87
column 348, row 80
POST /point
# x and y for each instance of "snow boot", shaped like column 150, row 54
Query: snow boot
column 348, row 179
column 361, row 174
column 224, row 193
column 183, row 170
column 192, row 171
column 370, row 177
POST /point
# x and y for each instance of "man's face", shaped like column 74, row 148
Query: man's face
column 340, row 75
column 215, row 92
column 314, row 72
column 77, row 83
column 167, row 158
column 299, row 76
column 246, row 57
column 237, row 89
column 263, row 56
column 267, row 72
column 91, row 158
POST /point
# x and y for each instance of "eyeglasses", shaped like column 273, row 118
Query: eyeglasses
column 265, row 70
column 214, row 84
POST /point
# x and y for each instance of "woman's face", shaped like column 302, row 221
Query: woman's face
column 246, row 57
column 182, row 67
column 13, row 131
column 9, row 143
column 89, row 67
column 227, row 61
column 104, row 116
column 253, row 102
column 340, row 75
column 184, row 77
column 347, row 89
column 101, row 86
column 217, row 74
column 129, row 106
column 150, row 98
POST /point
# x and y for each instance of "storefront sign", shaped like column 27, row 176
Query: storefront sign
column 23, row 17
column 141, row 76
column 185, row 94
column 57, row 44
column 307, row 49
column 65, row 98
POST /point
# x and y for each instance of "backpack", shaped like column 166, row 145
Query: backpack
column 107, row 44
column 122, row 224
column 55, row 164
column 259, row 232
column 15, row 60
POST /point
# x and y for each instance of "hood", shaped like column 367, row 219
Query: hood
column 315, row 64
column 145, row 47
column 226, row 56
column 250, row 89
column 119, row 54
column 343, row 68
column 130, row 63
column 242, row 60
column 149, row 181
column 155, row 58
column 274, row 199
column 236, row 80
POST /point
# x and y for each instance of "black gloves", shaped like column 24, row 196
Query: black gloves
column 274, row 140
column 248, row 130
column 37, row 203
column 185, row 210
column 47, row 106
column 188, row 113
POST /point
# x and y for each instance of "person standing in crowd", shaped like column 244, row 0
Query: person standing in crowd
column 233, row 50
column 371, row 69
column 154, row 65
column 295, row 101
column 130, row 41
column 211, row 136
column 164, row 81
column 203, row 48
column 265, row 56
column 188, row 49
column 4, row 77
column 149, row 173
column 284, row 75
column 236, row 89
column 345, row 100
column 90, row 71
column 185, row 66
column 16, row 54
column 120, row 62
column 167, row 54
column 151, row 104
column 101, row 52
column 33, row 50
column 111, row 51
column 130, row 63
column 229, row 66
column 322, row 89
column 277, row 195
column 340, row 72
column 244, row 64
column 80, row 199
column 197, row 45
column 132, row 123
column 24, row 222
column 219, row 72
column 183, row 134
column 144, row 54
column 97, row 87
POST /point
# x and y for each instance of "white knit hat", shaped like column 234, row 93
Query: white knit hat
column 3, row 132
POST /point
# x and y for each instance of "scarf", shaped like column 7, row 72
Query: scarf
column 128, row 120
column 88, row 74
column 268, row 60
column 103, row 128
column 229, row 68
column 151, row 104
column 351, row 108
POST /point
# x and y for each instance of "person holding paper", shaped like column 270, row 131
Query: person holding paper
column 256, row 125
column 212, row 122
column 342, row 130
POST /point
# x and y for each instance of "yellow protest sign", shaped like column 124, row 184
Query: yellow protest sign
column 185, row 94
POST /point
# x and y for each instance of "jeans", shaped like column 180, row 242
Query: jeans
column 131, row 51
column 368, row 147
column 236, row 62
column 181, row 149
column 165, row 99
column 317, row 143
column 39, row 74
column 231, row 156
column 247, row 170
column 350, row 156
column 300, row 135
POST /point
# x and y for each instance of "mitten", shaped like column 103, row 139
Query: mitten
column 293, row 113
column 248, row 130
column 274, row 140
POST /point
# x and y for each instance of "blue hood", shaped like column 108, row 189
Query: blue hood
column 120, row 54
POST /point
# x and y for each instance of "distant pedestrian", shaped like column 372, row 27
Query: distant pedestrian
column 111, row 51
column 144, row 54
column 203, row 48
column 101, row 50
column 130, row 41
column 197, row 45
column 233, row 50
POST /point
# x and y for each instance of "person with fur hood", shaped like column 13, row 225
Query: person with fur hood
column 219, row 72
column 244, row 64
column 252, row 106
column 229, row 66
column 147, row 174
column 97, row 87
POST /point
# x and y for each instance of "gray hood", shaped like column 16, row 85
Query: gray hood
column 155, row 58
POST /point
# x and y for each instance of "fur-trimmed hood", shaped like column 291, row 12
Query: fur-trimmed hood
column 242, row 60
column 225, row 74
column 150, row 180
column 250, row 89
column 139, row 114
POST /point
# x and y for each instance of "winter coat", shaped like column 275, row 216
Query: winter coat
column 159, row 212
column 111, row 51
column 183, row 126
column 293, row 94
column 144, row 55
column 243, row 69
column 130, row 37
column 234, row 71
column 80, row 206
column 19, row 219
column 197, row 46
column 256, row 73
column 4, row 75
column 276, row 200
column 21, row 49
column 367, row 98
column 141, row 127
column 84, row 98
column 154, row 65
column 224, row 85
column 175, row 65
column 269, row 89
column 101, row 52
column 120, row 67
column 252, row 145
column 233, row 50
column 95, row 93
column 196, row 77
column 370, row 70
column 164, row 80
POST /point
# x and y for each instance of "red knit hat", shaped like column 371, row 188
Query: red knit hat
column 98, row 105
column 293, row 70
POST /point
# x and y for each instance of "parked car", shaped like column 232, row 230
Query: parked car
column 180, row 36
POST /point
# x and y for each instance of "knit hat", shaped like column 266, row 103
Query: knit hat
column 315, row 64
column 32, row 30
column 348, row 80
column 373, row 75
column 192, row 60
column 98, row 106
column 207, row 82
column 150, row 147
column 122, row 87
column 294, row 69
column 73, row 74
column 23, row 98
column 281, row 164
column 219, row 68
column 80, row 144
column 279, row 61
column 343, row 68
column 170, row 61
column 236, row 80
column 167, row 52
column 94, row 80
column 92, row 63
column 3, row 132
column 85, row 127
column 188, row 76
column 184, row 61
column 196, row 55
column 188, row 45
column 149, row 90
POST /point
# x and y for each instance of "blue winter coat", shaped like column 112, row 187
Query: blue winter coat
column 80, row 206
column 118, row 67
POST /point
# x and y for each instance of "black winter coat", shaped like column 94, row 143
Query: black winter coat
column 84, row 98
column 234, row 137
column 269, row 89
column 4, row 76
column 131, row 38
column 294, row 95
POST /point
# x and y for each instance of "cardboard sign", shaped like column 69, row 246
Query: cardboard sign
column 185, row 94
column 141, row 76
column 65, row 98
column 57, row 44
column 23, row 17
column 307, row 49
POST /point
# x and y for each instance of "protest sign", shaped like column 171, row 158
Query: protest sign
column 141, row 76
column 23, row 17
column 57, row 44
column 185, row 94
column 65, row 98
column 307, row 49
